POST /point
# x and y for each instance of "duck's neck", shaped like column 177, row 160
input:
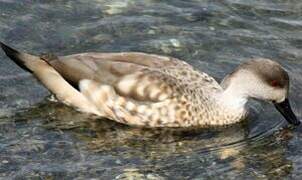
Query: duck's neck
column 233, row 98
column 232, row 103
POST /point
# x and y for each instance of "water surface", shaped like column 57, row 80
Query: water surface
column 42, row 139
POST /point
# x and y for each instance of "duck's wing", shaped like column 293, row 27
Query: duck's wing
column 106, row 68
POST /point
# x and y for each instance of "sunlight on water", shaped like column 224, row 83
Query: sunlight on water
column 41, row 138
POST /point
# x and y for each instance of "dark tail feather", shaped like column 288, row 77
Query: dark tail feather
column 14, row 55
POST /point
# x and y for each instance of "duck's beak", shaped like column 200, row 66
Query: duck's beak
column 285, row 109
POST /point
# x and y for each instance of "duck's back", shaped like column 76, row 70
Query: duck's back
column 109, row 68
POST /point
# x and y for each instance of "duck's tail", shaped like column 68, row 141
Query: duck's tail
column 25, row 61
column 50, row 78
column 35, row 65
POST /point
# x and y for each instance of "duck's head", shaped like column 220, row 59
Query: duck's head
column 262, row 79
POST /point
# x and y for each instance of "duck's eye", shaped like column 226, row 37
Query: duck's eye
column 275, row 83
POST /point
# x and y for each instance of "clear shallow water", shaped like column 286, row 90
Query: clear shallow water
column 44, row 139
